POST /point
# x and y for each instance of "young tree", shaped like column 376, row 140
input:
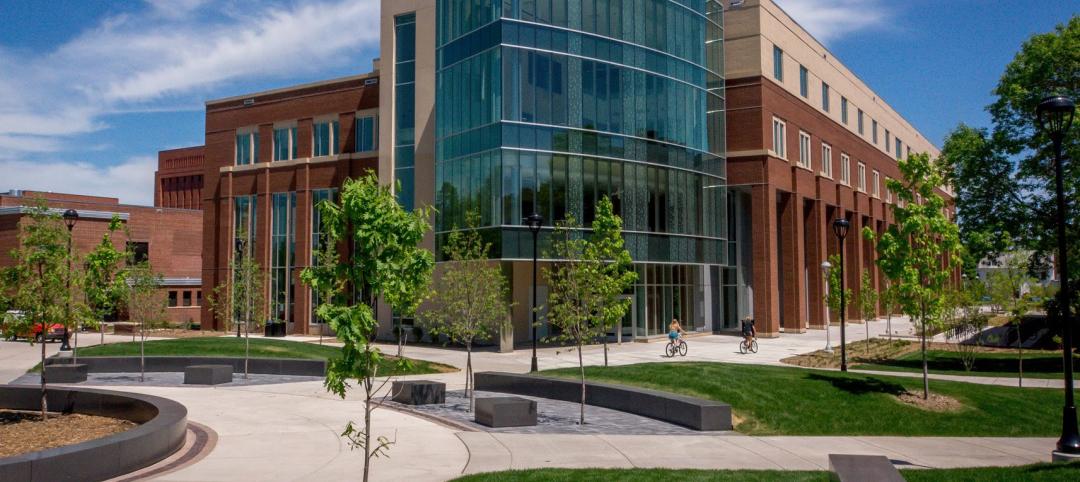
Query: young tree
column 1007, row 292
column 868, row 298
column 470, row 298
column 832, row 298
column 574, row 291
column 146, row 305
column 38, row 279
column 888, row 303
column 386, row 263
column 242, row 299
column 104, row 279
column 922, row 249
column 617, row 273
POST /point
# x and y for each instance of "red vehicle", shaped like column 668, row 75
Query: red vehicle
column 55, row 333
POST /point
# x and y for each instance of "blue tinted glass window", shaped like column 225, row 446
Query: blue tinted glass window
column 778, row 63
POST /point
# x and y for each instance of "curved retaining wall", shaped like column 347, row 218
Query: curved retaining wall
column 162, row 429
column 690, row 412
column 266, row 366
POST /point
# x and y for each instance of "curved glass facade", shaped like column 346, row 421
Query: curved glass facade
column 548, row 105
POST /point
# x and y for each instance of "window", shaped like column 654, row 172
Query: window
column 317, row 240
column 875, row 189
column 862, row 177
column 860, row 122
column 779, row 139
column 284, row 144
column 282, row 254
column 324, row 139
column 898, row 142
column 247, row 148
column 826, row 160
column 187, row 298
column 843, row 109
column 404, row 109
column 888, row 192
column 873, row 130
column 804, row 149
column 825, row 96
column 778, row 63
column 198, row 298
column 845, row 169
column 367, row 138
column 887, row 138
column 140, row 252
column 172, row 299
column 804, row 82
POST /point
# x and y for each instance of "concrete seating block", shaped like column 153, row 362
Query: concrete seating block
column 419, row 392
column 208, row 374
column 505, row 412
column 857, row 468
column 65, row 373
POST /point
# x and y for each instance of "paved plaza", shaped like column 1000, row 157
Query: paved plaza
column 289, row 429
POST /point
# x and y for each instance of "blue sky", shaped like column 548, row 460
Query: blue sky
column 93, row 88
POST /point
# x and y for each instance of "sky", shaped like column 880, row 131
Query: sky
column 93, row 89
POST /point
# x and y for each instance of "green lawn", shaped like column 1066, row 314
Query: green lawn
column 1038, row 473
column 1037, row 364
column 770, row 400
column 234, row 347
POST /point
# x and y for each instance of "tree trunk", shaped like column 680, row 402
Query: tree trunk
column 367, row 430
column 888, row 323
column 247, row 346
column 142, row 353
column 75, row 349
column 44, row 402
column 925, row 370
column 605, row 349
column 1020, row 353
column 581, row 364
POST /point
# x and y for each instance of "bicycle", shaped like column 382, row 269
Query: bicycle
column 748, row 347
column 673, row 348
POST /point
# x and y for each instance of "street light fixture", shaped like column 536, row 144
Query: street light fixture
column 71, row 217
column 1055, row 116
column 534, row 221
column 825, row 266
column 840, row 228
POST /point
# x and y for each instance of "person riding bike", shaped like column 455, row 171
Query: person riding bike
column 675, row 331
column 748, row 331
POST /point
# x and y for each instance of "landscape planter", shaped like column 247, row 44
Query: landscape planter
column 274, row 330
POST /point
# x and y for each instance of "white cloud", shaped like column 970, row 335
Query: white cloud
column 833, row 19
column 171, row 53
column 132, row 180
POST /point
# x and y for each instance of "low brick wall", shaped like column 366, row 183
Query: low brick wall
column 265, row 366
column 690, row 412
column 162, row 429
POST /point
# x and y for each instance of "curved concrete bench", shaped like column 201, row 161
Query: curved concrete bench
column 690, row 412
column 265, row 366
column 162, row 429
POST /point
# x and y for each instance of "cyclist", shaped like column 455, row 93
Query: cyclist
column 675, row 331
column 748, row 331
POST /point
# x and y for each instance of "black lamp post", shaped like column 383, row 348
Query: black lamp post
column 534, row 221
column 840, row 227
column 1055, row 116
column 71, row 216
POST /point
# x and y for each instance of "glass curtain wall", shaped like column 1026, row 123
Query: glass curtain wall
column 282, row 255
column 547, row 106
column 317, row 196
column 405, row 101
column 244, row 217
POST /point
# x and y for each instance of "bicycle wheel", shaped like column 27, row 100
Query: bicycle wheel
column 682, row 348
column 742, row 347
column 670, row 351
column 753, row 346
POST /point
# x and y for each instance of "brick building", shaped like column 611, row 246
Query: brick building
column 808, row 142
column 178, row 181
column 269, row 157
column 169, row 238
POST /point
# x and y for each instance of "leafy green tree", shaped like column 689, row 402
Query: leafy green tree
column 575, row 292
column 832, row 298
column 146, row 305
column 38, row 279
column 104, row 278
column 242, row 299
column 385, row 263
column 471, row 298
column 617, row 273
column 887, row 297
column 1007, row 285
column 922, row 249
column 965, row 322
column 868, row 300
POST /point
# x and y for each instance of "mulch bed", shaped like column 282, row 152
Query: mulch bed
column 24, row 432
column 936, row 403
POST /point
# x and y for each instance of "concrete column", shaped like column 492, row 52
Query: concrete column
column 817, row 231
column 763, row 221
column 794, row 262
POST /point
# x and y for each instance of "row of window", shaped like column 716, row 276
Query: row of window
column 185, row 298
column 893, row 145
column 325, row 140
column 805, row 160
